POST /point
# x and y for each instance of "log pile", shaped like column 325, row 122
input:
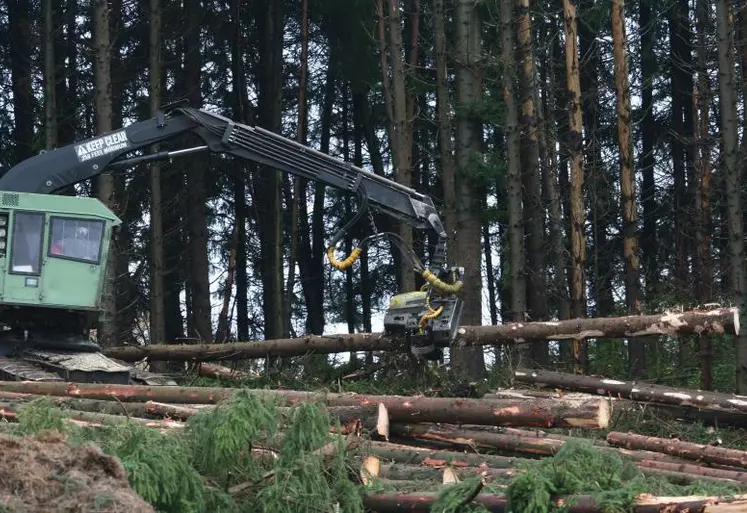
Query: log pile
column 403, row 440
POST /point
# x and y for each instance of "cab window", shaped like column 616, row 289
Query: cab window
column 26, row 248
column 75, row 239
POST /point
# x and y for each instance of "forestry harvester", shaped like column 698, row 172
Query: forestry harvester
column 54, row 247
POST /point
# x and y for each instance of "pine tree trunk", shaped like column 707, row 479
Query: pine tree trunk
column 469, row 362
column 534, row 226
column 649, row 241
column 732, row 182
column 443, row 111
column 268, row 181
column 242, row 113
column 577, row 213
column 518, row 285
column 402, row 129
column 636, row 348
column 107, row 331
column 50, row 76
column 703, row 224
column 157, row 317
column 601, row 203
column 198, row 276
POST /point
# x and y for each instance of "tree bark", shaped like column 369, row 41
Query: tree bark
column 430, row 457
column 402, row 126
column 714, row 401
column 443, row 111
column 107, row 330
column 577, row 219
column 636, row 348
column 695, row 470
column 534, row 225
column 649, row 242
column 50, row 76
column 394, row 502
column 198, row 270
column 680, row 449
column 732, row 182
column 157, row 316
column 267, row 181
column 703, row 268
column 516, row 251
column 540, row 412
column 467, row 17
column 722, row 320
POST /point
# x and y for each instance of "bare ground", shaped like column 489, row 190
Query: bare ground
column 44, row 474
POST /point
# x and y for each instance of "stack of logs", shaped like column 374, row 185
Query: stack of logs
column 403, row 439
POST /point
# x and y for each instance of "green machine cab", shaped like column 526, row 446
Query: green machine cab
column 53, row 254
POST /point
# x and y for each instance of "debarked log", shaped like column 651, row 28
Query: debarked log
column 714, row 401
column 720, row 320
column 594, row 414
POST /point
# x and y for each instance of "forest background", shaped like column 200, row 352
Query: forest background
column 587, row 158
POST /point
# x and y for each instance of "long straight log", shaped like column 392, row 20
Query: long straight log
column 417, row 455
column 720, row 320
column 538, row 413
column 395, row 503
column 637, row 392
column 678, row 448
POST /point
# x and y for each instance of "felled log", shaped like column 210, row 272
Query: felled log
column 435, row 458
column 678, row 448
column 720, row 320
column 695, row 470
column 713, row 401
column 373, row 467
column 593, row 414
column 395, row 502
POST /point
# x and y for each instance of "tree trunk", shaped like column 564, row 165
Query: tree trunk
column 518, row 285
column 402, row 135
column 715, row 321
column 157, row 317
column 198, row 274
column 20, row 37
column 534, row 213
column 636, row 348
column 578, row 246
column 50, row 76
column 732, row 182
column 298, row 183
column 107, row 331
column 443, row 109
column 712, row 401
column 649, row 242
column 681, row 91
column 468, row 362
column 703, row 269
column 680, row 449
column 244, row 113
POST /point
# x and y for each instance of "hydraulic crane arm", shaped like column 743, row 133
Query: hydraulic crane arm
column 53, row 170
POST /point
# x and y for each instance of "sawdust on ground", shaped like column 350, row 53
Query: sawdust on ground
column 44, row 474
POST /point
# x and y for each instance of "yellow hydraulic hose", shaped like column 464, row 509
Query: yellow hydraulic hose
column 343, row 264
column 442, row 286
